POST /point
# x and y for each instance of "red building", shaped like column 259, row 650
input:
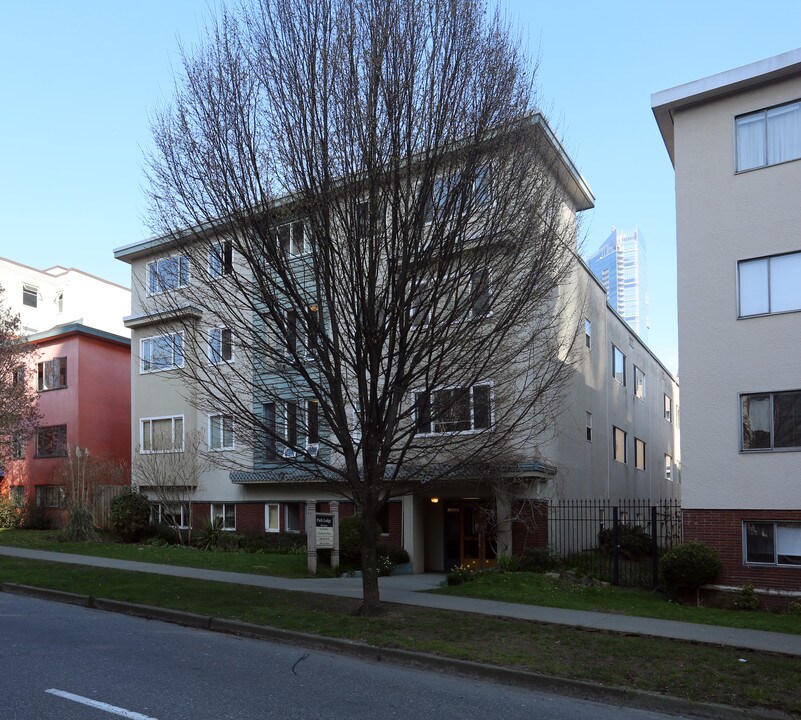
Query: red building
column 82, row 376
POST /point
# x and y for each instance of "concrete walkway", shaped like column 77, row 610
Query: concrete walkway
column 409, row 590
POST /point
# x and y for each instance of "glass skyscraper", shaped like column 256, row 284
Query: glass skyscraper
column 620, row 266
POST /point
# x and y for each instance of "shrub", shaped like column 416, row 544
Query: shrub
column 539, row 559
column 275, row 543
column 746, row 599
column 80, row 525
column 35, row 517
column 396, row 553
column 508, row 563
column 460, row 574
column 794, row 608
column 130, row 515
column 349, row 544
column 10, row 513
column 213, row 536
column 634, row 542
column 690, row 565
column 385, row 566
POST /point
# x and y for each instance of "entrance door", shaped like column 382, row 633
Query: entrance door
column 467, row 540
column 452, row 539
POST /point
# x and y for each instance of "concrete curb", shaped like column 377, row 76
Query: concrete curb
column 493, row 673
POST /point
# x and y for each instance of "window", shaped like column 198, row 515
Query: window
column 668, row 467
column 51, row 441
column 52, row 374
column 589, row 427
column 225, row 512
column 17, row 446
column 639, row 454
column 30, row 295
column 270, row 452
column 50, row 496
column 220, row 259
column 618, row 365
column 454, row 410
column 221, row 347
column 176, row 516
column 312, row 427
column 18, row 375
column 480, row 298
column 639, row 383
column 161, row 352
column 618, row 445
column 18, row 495
column 290, row 428
column 363, row 227
column 292, row 512
column 382, row 519
column 167, row 273
column 291, row 238
column 771, row 420
column 164, row 434
column 221, row 432
column 667, row 410
column 59, row 300
column 769, row 285
column 768, row 137
column 482, row 185
column 772, row 543
column 588, row 334
column 302, row 343
column 271, row 517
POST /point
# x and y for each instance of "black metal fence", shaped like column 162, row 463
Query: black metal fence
column 619, row 542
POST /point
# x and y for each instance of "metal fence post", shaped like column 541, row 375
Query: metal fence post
column 654, row 550
column 615, row 547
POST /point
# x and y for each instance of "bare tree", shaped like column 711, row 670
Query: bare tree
column 379, row 227
column 171, row 479
column 18, row 400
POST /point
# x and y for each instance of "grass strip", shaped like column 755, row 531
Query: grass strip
column 538, row 589
column 687, row 670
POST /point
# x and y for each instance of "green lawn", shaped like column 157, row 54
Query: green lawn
column 692, row 671
column 255, row 563
column 537, row 589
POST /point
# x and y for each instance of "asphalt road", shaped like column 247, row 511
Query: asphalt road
column 69, row 663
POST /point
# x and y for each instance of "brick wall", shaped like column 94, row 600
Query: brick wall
column 201, row 515
column 250, row 517
column 395, row 523
column 722, row 530
column 531, row 530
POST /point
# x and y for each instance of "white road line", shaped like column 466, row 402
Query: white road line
column 122, row 712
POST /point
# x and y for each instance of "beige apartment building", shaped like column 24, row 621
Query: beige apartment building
column 616, row 435
column 735, row 142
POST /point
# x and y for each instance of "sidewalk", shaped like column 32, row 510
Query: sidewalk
column 409, row 590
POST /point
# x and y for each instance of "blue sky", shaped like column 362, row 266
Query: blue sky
column 79, row 80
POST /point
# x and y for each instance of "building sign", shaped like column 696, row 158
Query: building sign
column 324, row 531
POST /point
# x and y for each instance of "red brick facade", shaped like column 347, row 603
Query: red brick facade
column 723, row 530
column 532, row 530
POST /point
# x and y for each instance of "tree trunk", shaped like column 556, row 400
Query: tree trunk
column 371, row 602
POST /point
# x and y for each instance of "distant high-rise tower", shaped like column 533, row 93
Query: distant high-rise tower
column 620, row 266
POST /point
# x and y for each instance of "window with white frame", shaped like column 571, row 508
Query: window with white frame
column 768, row 137
column 769, row 285
column 51, row 374
column 618, row 445
column 161, row 352
column 618, row 365
column 220, row 259
column 639, row 454
column 51, row 441
column 291, row 238
column 30, row 295
column 588, row 334
column 454, row 409
column 668, row 467
column 225, row 513
column 667, row 410
column 161, row 434
column 639, row 383
column 167, row 273
column 221, row 346
column 771, row 421
column 272, row 515
column 290, row 422
column 589, row 427
column 772, row 543
column 173, row 515
column 221, row 432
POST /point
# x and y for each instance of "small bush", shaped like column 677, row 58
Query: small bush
column 539, row 559
column 130, row 515
column 746, row 599
column 460, row 574
column 794, row 608
column 508, row 563
column 35, row 517
column 385, row 566
column 690, row 565
column 634, row 542
column 80, row 524
column 213, row 536
column 396, row 553
column 274, row 543
column 10, row 513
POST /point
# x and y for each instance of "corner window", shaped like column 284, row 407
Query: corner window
column 51, row 374
column 772, row 543
column 291, row 238
column 51, row 441
column 618, row 365
column 588, row 334
column 30, row 295
column 271, row 517
column 668, row 467
column 226, row 513
column 454, row 410
column 220, row 259
column 639, row 383
column 768, row 137
column 771, row 421
column 639, row 454
column 221, row 346
column 667, row 410
column 618, row 445
column 161, row 352
column 221, row 432
column 161, row 434
column 169, row 273
column 769, row 285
